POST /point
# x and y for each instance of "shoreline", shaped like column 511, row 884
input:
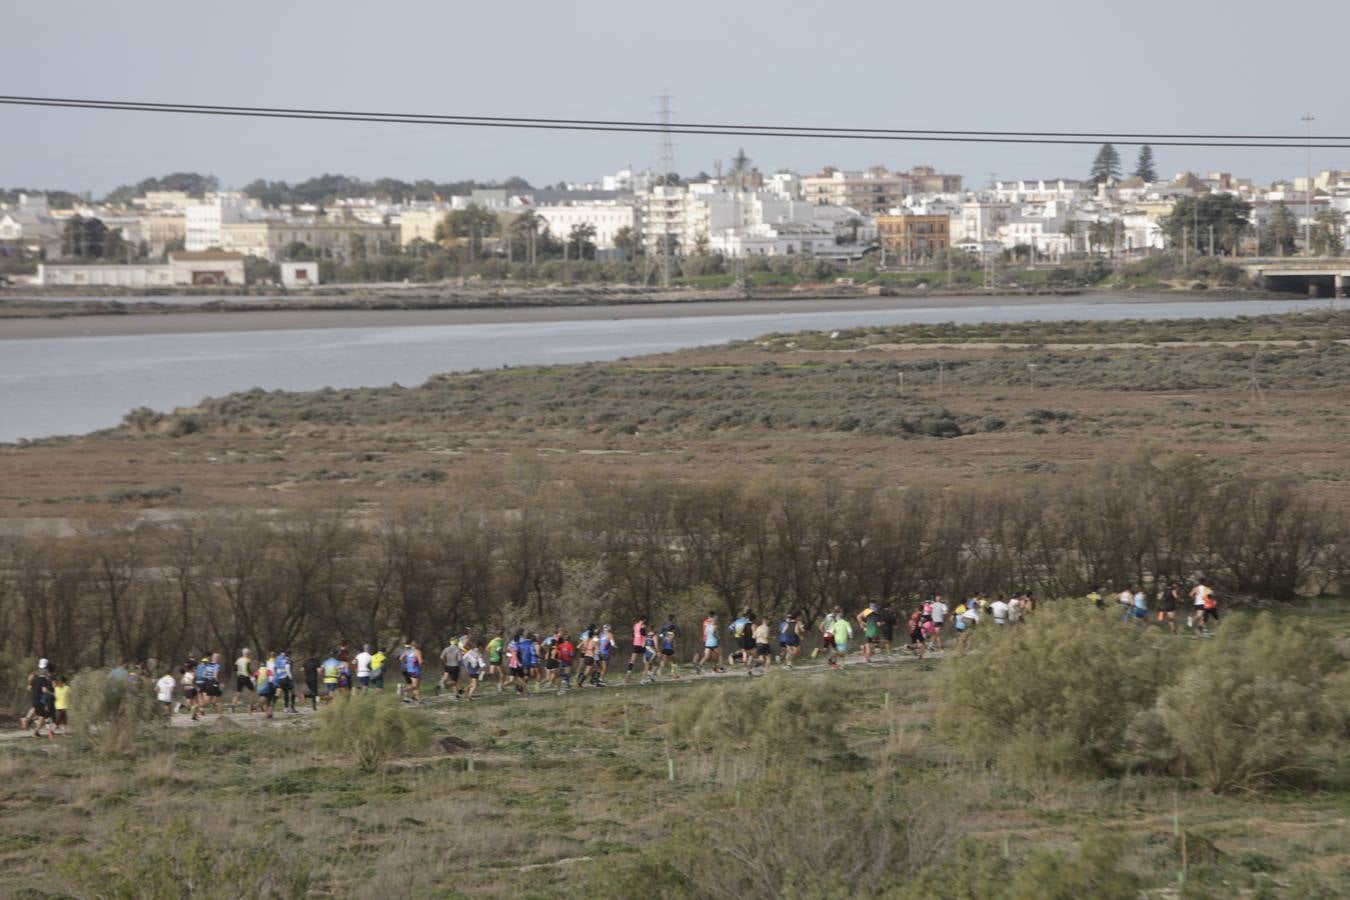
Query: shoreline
column 196, row 320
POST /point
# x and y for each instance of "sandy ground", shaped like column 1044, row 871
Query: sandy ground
column 195, row 321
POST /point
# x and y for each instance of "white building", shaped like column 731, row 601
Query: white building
column 203, row 221
column 208, row 269
column 299, row 274
column 607, row 218
column 979, row 220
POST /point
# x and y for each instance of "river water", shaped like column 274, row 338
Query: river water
column 74, row 385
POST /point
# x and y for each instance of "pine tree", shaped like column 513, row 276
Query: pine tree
column 1106, row 166
column 1143, row 167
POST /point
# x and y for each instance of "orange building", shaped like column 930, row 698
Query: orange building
column 907, row 238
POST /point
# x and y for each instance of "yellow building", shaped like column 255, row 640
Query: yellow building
column 419, row 224
column 909, row 238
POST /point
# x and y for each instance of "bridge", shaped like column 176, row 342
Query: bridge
column 1319, row 276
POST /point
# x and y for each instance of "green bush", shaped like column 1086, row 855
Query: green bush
column 109, row 711
column 768, row 718
column 372, row 728
column 1054, row 696
column 1256, row 701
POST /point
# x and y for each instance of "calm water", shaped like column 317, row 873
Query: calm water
column 75, row 385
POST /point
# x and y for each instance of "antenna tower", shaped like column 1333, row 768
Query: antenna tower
column 664, row 251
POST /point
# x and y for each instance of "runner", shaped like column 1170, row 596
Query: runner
column 999, row 610
column 1015, row 610
column 1139, row 606
column 494, row 659
column 283, row 676
column 869, row 620
column 310, row 667
column 604, row 650
column 791, row 638
column 971, row 618
column 827, row 633
column 711, row 653
column 411, row 661
column 450, row 661
column 1198, row 595
column 668, row 635
column 889, row 617
column 529, row 656
column 39, row 689
column 746, row 634
column 638, row 648
column 563, row 653
column 361, row 667
column 763, row 649
column 188, row 679
column 548, row 651
column 589, row 643
column 1169, row 598
column 243, row 680
column 473, row 665
column 916, row 637
column 515, row 664
column 332, row 671
column 60, row 706
column 267, row 687
column 164, row 689
column 1126, row 600
column 938, row 613
column 378, row 659
column 842, row 632
column 1210, row 611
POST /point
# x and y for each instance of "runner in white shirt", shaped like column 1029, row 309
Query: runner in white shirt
column 939, row 613
column 999, row 609
column 1198, row 594
column 363, row 668
column 164, row 689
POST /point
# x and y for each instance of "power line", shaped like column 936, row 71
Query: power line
column 734, row 130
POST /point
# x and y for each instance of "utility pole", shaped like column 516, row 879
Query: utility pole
column 1308, row 187
column 668, row 167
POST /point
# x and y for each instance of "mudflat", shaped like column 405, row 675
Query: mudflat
column 197, row 320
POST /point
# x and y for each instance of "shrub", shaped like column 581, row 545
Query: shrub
column 372, row 728
column 1248, row 710
column 979, row 871
column 109, row 711
column 142, row 862
column 834, row 836
column 768, row 718
column 1053, row 696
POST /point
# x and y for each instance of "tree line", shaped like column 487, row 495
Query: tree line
column 534, row 551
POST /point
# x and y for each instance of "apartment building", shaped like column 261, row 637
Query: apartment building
column 873, row 191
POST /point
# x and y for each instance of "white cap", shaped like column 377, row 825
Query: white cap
column 42, row 663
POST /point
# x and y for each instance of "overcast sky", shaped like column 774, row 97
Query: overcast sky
column 1245, row 66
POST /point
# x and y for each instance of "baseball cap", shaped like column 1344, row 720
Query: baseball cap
column 42, row 663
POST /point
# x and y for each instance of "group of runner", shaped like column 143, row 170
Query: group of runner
column 1168, row 604
column 524, row 662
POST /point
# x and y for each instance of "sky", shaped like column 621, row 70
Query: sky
column 1246, row 66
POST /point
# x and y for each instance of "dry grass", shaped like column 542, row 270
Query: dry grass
column 585, row 778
